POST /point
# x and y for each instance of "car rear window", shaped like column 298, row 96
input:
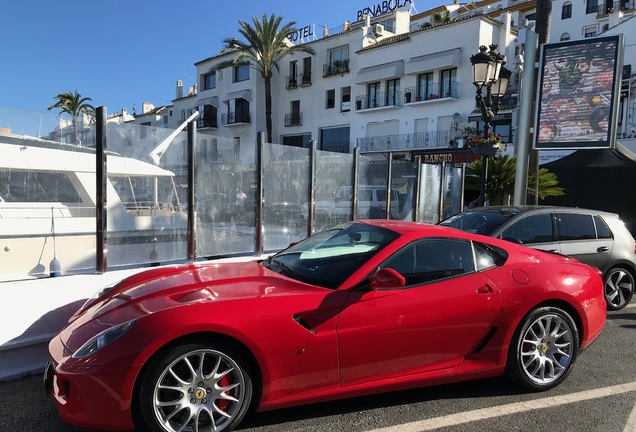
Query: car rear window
column 478, row 222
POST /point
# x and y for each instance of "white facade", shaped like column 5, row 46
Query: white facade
column 355, row 88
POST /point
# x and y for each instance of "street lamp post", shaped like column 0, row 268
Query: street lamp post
column 488, row 72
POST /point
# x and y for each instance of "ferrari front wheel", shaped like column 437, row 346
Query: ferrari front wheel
column 195, row 387
column 543, row 349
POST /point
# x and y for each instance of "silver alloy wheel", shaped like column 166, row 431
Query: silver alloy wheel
column 546, row 348
column 202, row 390
column 619, row 288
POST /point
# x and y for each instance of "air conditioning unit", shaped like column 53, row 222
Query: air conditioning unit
column 378, row 29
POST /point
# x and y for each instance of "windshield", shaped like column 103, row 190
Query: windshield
column 484, row 222
column 326, row 259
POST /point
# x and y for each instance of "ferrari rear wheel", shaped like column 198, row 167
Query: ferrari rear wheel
column 543, row 349
column 619, row 288
column 195, row 388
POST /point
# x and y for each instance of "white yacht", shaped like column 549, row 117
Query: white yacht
column 47, row 210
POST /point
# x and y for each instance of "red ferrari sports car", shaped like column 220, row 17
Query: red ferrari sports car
column 365, row 307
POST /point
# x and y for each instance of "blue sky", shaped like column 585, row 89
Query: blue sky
column 121, row 53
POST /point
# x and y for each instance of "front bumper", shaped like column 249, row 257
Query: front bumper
column 85, row 395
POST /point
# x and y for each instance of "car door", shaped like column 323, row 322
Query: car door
column 536, row 230
column 577, row 234
column 431, row 323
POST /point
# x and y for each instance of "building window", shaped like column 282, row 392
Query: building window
column 424, row 86
column 393, row 92
column 306, row 75
column 345, row 94
column 337, row 61
column 448, row 83
column 374, row 96
column 294, row 118
column 566, row 10
column 591, row 6
column 241, row 73
column 335, row 139
column 565, row 37
column 331, row 99
column 209, row 81
column 208, row 118
column 388, row 24
column 293, row 75
column 589, row 32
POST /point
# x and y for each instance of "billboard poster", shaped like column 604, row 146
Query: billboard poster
column 578, row 91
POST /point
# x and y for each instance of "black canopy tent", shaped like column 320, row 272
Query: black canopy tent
column 598, row 179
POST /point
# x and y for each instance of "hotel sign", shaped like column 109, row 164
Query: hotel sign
column 382, row 8
column 303, row 33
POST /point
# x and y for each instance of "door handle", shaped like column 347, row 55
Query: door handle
column 602, row 249
column 486, row 289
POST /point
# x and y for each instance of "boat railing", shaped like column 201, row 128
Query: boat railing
column 44, row 210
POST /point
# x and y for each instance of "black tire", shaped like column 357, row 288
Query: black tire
column 223, row 384
column 618, row 287
column 543, row 349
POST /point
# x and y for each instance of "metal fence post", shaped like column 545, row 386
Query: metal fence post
column 260, row 147
column 311, row 202
column 354, row 183
column 101, row 173
column 192, row 233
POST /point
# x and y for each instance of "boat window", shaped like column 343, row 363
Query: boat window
column 30, row 186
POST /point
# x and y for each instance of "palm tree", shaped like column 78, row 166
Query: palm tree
column 501, row 179
column 73, row 104
column 438, row 18
column 266, row 44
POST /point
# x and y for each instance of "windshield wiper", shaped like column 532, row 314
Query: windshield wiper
column 285, row 270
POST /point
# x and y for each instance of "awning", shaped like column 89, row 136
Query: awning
column 241, row 94
column 380, row 72
column 214, row 101
column 434, row 61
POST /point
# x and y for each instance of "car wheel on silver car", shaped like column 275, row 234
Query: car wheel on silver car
column 619, row 288
column 543, row 350
column 195, row 387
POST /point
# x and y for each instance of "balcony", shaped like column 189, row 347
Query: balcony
column 206, row 123
column 293, row 119
column 305, row 79
column 413, row 141
column 235, row 118
column 431, row 92
column 335, row 68
column 609, row 7
column 292, row 82
column 379, row 100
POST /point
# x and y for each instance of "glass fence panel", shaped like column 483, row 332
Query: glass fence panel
column 372, row 178
column 453, row 188
column 430, row 186
column 332, row 189
column 225, row 196
column 404, row 176
column 147, row 198
column 285, row 190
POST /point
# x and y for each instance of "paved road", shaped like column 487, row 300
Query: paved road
column 600, row 395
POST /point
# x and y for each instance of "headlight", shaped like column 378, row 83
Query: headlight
column 103, row 339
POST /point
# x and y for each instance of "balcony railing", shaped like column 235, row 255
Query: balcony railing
column 305, row 79
column 431, row 92
column 235, row 118
column 204, row 122
column 379, row 100
column 412, row 141
column 292, row 82
column 293, row 119
column 335, row 68
column 608, row 7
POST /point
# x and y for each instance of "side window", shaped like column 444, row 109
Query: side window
column 575, row 227
column 602, row 231
column 432, row 259
column 531, row 229
column 365, row 195
column 488, row 256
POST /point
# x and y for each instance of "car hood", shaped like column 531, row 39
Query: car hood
column 162, row 288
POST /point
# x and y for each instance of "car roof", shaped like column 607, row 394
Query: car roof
column 519, row 209
column 416, row 228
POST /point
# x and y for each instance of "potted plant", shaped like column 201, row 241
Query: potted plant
column 484, row 146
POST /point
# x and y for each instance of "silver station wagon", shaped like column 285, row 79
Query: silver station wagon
column 594, row 237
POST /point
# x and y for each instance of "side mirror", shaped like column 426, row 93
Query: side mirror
column 386, row 278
